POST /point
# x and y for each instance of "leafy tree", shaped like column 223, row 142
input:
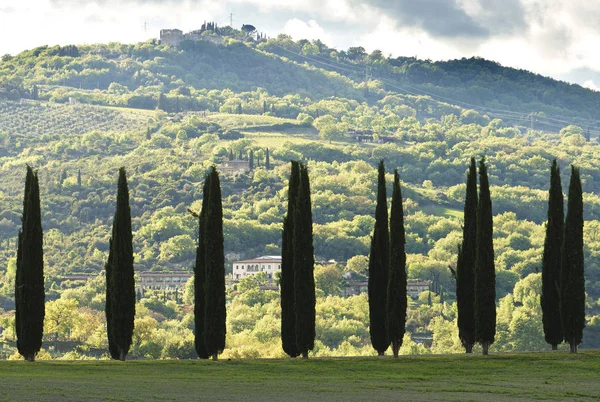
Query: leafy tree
column 29, row 281
column 304, row 264
column 396, row 289
column 200, row 275
column 288, row 313
column 120, row 282
column 572, row 281
column 379, row 258
column 214, row 307
column 550, row 299
column 465, row 266
column 485, row 272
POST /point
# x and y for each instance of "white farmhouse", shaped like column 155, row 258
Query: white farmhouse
column 267, row 264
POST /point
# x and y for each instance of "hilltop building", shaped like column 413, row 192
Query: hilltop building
column 207, row 32
column 235, row 166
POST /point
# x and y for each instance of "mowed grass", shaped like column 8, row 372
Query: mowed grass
column 504, row 377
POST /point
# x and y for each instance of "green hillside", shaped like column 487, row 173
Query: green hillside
column 167, row 115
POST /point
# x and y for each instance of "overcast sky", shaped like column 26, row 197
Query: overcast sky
column 558, row 38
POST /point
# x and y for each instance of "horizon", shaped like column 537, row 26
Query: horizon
column 522, row 34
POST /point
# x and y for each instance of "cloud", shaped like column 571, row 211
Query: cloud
column 589, row 84
column 310, row 30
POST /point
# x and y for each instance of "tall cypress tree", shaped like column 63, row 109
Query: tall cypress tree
column 572, row 282
column 120, row 282
column 200, row 275
column 485, row 272
column 286, row 283
column 251, row 160
column 379, row 262
column 550, row 300
column 29, row 281
column 465, row 265
column 396, row 291
column 304, row 264
column 214, row 309
column 267, row 161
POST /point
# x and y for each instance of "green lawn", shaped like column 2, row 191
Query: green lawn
column 534, row 376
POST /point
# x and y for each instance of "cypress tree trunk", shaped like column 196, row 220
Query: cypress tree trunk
column 465, row 265
column 304, row 263
column 29, row 281
column 378, row 269
column 286, row 283
column 214, row 308
column 550, row 300
column 485, row 273
column 572, row 282
column 396, row 290
column 120, row 280
column 200, row 276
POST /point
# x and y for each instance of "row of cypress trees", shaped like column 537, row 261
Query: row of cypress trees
column 209, row 279
column 387, row 270
column 297, row 281
column 563, row 283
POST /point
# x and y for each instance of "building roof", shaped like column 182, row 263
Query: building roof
column 258, row 260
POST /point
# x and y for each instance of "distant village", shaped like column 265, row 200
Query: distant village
column 209, row 31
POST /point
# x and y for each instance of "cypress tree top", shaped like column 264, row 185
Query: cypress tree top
column 550, row 300
column 572, row 281
column 378, row 268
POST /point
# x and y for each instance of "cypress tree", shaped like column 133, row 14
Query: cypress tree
column 267, row 161
column 465, row 265
column 396, row 291
column 231, row 154
column 29, row 280
column 162, row 102
column 239, row 108
column 304, row 263
column 148, row 133
column 572, row 282
column 550, row 300
column 251, row 160
column 378, row 268
column 214, row 308
column 200, row 276
column 286, row 282
column 485, row 272
column 120, row 283
column 79, row 177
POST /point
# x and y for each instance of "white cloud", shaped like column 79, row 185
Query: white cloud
column 310, row 30
column 589, row 84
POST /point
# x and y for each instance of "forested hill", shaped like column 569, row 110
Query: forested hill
column 138, row 73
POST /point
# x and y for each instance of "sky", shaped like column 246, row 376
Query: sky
column 555, row 38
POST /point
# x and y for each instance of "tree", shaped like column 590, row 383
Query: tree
column 120, row 282
column 267, row 160
column 251, row 160
column 304, row 264
column 396, row 290
column 465, row 265
column 485, row 272
column 162, row 102
column 572, row 281
column 78, row 177
column 200, row 275
column 550, row 300
column 29, row 278
column 378, row 268
column 239, row 108
column 288, row 313
column 214, row 308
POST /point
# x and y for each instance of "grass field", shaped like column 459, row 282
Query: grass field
column 535, row 376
